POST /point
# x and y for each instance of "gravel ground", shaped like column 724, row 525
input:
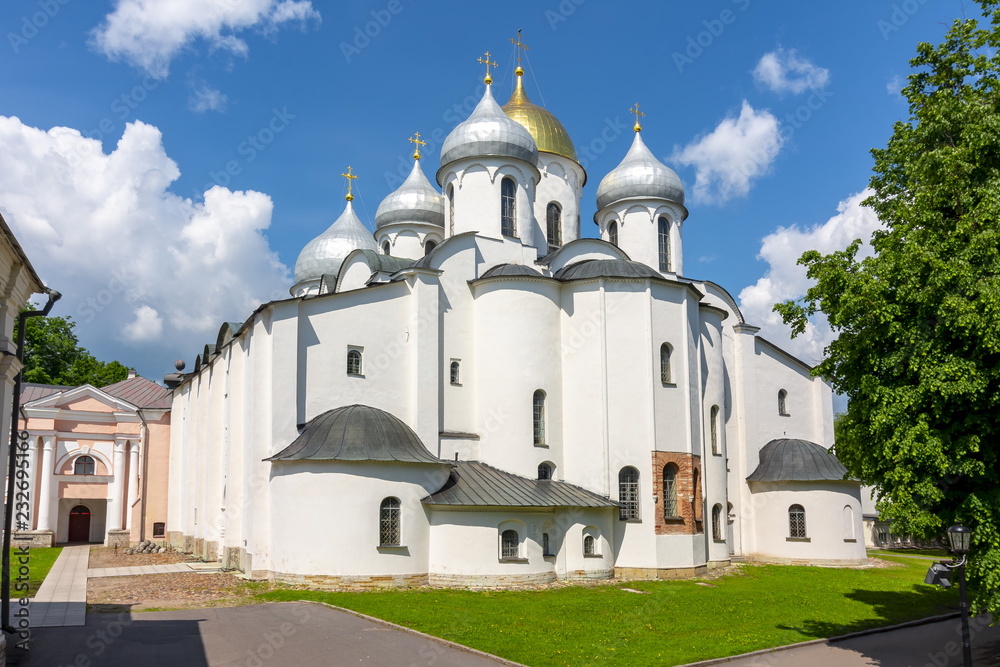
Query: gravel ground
column 176, row 590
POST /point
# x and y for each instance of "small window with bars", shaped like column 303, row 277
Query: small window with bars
column 797, row 522
column 389, row 523
column 509, row 544
column 628, row 494
column 354, row 361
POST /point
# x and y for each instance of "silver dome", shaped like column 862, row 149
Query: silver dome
column 414, row 201
column 325, row 253
column 640, row 174
column 489, row 131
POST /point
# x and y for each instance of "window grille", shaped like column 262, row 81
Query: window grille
column 354, row 362
column 670, row 509
column 796, row 521
column 544, row 471
column 613, row 234
column 388, row 524
column 509, row 544
column 538, row 417
column 456, row 372
column 159, row 529
column 628, row 493
column 553, row 224
column 664, row 238
column 508, row 207
column 665, row 374
column 588, row 545
column 84, row 465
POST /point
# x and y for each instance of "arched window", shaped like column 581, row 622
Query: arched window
column 451, row 210
column 456, row 370
column 553, row 224
column 589, row 545
column 714, row 427
column 84, row 465
column 613, row 233
column 782, row 402
column 849, row 534
column 664, row 238
column 717, row 522
column 388, row 522
column 428, row 247
column 670, row 509
column 628, row 493
column 538, row 417
column 797, row 522
column 385, row 248
column 354, row 362
column 665, row 374
column 695, row 495
column 546, row 547
column 545, row 470
column 509, row 544
column 508, row 207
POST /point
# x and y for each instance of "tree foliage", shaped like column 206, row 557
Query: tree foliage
column 52, row 355
column 918, row 322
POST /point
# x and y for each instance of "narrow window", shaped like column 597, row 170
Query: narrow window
column 354, row 362
column 509, row 544
column 545, row 470
column 849, row 534
column 670, row 491
column 613, row 233
column 665, row 374
column 664, row 237
column 451, row 210
column 546, row 547
column 388, row 522
column 456, row 372
column 553, row 224
column 385, row 248
column 588, row 545
column 508, row 210
column 428, row 247
column 538, row 417
column 159, row 529
column 84, row 465
column 714, row 427
column 628, row 493
column 796, row 521
column 717, row 522
column 782, row 406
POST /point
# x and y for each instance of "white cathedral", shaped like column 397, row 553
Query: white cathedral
column 477, row 396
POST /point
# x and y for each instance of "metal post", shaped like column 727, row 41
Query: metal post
column 964, row 605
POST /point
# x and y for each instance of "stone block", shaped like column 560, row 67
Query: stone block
column 118, row 538
column 33, row 539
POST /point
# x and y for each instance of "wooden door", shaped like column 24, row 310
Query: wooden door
column 79, row 524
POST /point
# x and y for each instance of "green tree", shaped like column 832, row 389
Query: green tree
column 52, row 355
column 918, row 321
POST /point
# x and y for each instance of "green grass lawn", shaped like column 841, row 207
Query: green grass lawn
column 673, row 623
column 937, row 553
column 40, row 562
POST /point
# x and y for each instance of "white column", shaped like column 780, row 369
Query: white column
column 117, row 488
column 45, row 491
column 133, row 482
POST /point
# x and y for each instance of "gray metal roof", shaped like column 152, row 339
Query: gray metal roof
column 325, row 253
column 639, row 175
column 387, row 263
column 414, row 201
column 474, row 484
column 606, row 268
column 488, row 131
column 790, row 460
column 141, row 393
column 32, row 391
column 510, row 270
column 356, row 433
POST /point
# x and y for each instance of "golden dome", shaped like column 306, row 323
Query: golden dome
column 549, row 134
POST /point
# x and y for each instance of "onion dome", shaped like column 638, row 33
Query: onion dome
column 414, row 201
column 549, row 134
column 325, row 253
column 489, row 132
column 640, row 176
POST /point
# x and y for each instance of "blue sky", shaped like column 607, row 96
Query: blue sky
column 119, row 118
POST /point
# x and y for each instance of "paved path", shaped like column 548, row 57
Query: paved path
column 152, row 569
column 61, row 600
column 284, row 633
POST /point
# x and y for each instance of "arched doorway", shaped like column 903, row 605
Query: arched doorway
column 79, row 524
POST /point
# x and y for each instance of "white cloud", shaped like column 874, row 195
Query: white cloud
column 786, row 72
column 894, row 85
column 144, row 272
column 738, row 151
column 150, row 33
column 785, row 279
column 206, row 98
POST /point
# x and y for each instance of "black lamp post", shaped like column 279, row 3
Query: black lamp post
column 959, row 537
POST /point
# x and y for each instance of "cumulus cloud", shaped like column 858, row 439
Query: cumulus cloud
column 786, row 72
column 150, row 33
column 729, row 158
column 144, row 272
column 206, row 98
column 785, row 279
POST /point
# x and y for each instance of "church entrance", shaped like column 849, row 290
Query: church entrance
column 79, row 524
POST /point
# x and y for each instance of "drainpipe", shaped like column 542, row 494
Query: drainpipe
column 12, row 460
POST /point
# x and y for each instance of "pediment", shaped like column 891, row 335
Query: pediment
column 85, row 398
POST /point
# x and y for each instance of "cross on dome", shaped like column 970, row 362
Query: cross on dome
column 350, row 176
column 489, row 63
column 516, row 41
column 415, row 140
column 635, row 109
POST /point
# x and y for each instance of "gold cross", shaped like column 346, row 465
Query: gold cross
column 516, row 41
column 350, row 183
column 418, row 143
column 635, row 110
column 489, row 63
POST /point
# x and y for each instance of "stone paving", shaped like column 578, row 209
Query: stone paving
column 61, row 600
